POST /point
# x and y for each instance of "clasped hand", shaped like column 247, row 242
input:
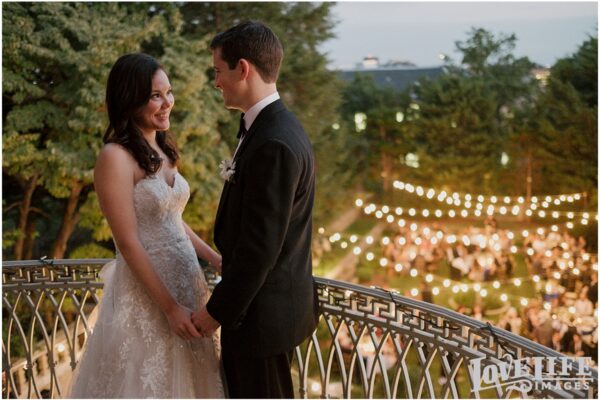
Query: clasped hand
column 204, row 322
column 188, row 325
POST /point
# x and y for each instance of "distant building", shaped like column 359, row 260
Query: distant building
column 541, row 74
column 395, row 74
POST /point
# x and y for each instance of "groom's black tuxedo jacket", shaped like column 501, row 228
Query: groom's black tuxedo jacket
column 265, row 301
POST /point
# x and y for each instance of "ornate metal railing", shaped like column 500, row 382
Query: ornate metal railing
column 369, row 343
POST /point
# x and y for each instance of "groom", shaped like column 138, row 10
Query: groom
column 265, row 303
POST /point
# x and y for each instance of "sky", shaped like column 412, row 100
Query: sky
column 420, row 31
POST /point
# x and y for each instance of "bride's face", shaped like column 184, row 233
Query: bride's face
column 154, row 116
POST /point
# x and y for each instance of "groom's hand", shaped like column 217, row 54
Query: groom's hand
column 204, row 322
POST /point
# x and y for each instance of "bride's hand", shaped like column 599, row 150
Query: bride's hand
column 180, row 322
column 216, row 262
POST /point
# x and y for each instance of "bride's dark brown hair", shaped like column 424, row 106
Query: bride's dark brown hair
column 128, row 89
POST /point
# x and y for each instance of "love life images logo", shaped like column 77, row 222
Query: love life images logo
column 531, row 373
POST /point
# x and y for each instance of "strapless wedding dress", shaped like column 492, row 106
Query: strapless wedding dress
column 132, row 353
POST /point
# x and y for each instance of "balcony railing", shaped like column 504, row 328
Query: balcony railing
column 369, row 343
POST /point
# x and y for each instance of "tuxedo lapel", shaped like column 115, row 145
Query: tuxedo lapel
column 263, row 117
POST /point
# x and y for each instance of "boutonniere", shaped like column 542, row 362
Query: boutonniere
column 227, row 168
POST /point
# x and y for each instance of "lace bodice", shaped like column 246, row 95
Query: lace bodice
column 158, row 209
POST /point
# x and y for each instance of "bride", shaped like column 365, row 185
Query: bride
column 144, row 343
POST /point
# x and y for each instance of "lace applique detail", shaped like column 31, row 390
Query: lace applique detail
column 132, row 353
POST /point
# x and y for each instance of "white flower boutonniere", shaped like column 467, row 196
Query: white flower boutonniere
column 227, row 170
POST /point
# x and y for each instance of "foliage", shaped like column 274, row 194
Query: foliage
column 57, row 58
column 568, row 127
column 56, row 61
column 379, row 148
column 466, row 115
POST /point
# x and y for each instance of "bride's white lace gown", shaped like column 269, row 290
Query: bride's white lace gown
column 132, row 353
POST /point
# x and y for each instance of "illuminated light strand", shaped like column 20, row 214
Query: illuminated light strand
column 504, row 203
column 391, row 216
column 431, row 193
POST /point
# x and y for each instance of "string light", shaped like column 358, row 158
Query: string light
column 508, row 201
column 491, row 210
column 431, row 192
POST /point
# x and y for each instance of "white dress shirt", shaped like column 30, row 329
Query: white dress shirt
column 253, row 111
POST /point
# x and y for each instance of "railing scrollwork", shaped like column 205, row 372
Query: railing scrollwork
column 370, row 342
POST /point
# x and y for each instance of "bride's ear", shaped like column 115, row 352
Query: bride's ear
column 244, row 68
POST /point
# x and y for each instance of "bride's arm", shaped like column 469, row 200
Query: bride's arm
column 203, row 250
column 114, row 184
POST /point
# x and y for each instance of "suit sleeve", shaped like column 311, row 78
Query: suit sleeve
column 270, row 181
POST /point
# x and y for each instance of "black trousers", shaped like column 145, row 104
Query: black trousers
column 258, row 377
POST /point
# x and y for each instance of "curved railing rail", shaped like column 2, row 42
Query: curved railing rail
column 369, row 343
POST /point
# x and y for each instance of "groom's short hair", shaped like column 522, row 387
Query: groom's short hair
column 255, row 42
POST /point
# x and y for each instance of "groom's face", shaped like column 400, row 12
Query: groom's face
column 227, row 80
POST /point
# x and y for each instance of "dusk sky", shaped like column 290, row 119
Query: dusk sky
column 420, row 31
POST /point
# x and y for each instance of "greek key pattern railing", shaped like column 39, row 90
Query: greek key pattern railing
column 370, row 343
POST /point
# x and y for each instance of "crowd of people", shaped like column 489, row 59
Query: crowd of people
column 478, row 254
column 562, row 315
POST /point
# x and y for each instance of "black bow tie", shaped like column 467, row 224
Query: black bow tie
column 242, row 130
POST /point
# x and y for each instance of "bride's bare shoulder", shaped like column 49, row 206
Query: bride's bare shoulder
column 113, row 155
column 114, row 160
column 114, row 152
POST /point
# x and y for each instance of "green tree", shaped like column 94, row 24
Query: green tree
column 57, row 58
column 382, row 141
column 568, row 128
column 466, row 115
